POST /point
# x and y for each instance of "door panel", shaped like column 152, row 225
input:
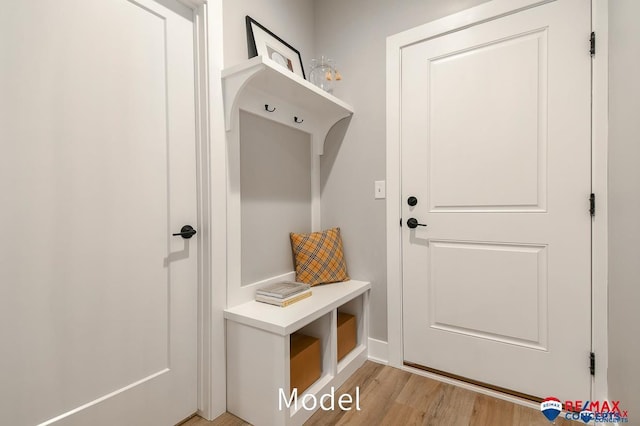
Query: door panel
column 498, row 281
column 496, row 147
column 468, row 173
column 97, row 169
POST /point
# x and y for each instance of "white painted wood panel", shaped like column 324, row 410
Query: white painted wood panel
column 495, row 134
column 470, row 300
column 275, row 195
column 281, row 321
column 481, row 85
column 248, row 87
column 256, row 377
column 97, row 169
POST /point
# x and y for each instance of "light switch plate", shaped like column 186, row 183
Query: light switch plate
column 380, row 189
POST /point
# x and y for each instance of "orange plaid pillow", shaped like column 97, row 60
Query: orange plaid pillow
column 319, row 257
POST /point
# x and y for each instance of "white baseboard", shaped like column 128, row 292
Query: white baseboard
column 378, row 351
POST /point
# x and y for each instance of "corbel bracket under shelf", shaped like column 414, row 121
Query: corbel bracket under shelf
column 299, row 104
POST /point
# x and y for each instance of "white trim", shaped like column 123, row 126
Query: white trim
column 456, row 22
column 193, row 4
column 600, row 244
column 218, row 165
column 204, row 196
column 103, row 398
column 378, row 351
column 211, row 207
column 461, row 20
column 394, row 248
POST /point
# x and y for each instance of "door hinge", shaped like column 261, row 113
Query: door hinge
column 592, row 363
column 592, row 41
column 592, row 204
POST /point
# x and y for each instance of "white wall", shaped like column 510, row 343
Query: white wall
column 275, row 188
column 354, row 34
column 291, row 20
column 624, row 204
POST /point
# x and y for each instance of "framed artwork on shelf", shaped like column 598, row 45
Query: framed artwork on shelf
column 261, row 41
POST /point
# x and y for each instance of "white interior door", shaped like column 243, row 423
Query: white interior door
column 496, row 149
column 97, row 170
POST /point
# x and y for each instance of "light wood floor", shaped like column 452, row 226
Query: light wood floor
column 390, row 397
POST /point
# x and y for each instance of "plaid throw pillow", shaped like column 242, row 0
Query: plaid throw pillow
column 319, row 257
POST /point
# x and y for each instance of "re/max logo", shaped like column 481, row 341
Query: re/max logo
column 596, row 407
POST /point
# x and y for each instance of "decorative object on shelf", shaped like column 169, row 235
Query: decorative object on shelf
column 283, row 302
column 261, row 41
column 282, row 289
column 319, row 257
column 283, row 293
column 323, row 73
column 337, row 74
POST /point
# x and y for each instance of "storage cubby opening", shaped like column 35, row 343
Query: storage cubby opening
column 355, row 307
column 305, row 367
column 350, row 330
column 320, row 332
column 347, row 334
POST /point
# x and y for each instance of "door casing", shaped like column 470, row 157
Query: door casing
column 211, row 210
column 599, row 123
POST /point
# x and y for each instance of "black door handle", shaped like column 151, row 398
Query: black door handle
column 413, row 223
column 186, row 232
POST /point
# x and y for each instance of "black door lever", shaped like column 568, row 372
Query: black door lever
column 413, row 223
column 186, row 232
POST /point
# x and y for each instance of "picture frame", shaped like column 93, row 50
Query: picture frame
column 261, row 41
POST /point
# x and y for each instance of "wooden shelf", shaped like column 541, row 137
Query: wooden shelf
column 259, row 81
column 284, row 321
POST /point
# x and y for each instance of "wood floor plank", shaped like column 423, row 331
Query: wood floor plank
column 401, row 414
column 525, row 416
column 390, row 397
column 363, row 378
column 380, row 395
column 491, row 411
column 419, row 392
column 451, row 406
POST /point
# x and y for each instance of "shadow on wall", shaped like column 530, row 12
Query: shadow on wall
column 332, row 145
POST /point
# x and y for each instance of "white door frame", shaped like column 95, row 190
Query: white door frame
column 211, row 192
column 456, row 22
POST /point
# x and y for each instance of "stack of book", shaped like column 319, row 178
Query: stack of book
column 283, row 293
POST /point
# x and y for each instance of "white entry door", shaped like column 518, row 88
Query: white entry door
column 496, row 151
column 98, row 322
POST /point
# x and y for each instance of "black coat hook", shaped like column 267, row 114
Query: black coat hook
column 297, row 120
column 266, row 107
